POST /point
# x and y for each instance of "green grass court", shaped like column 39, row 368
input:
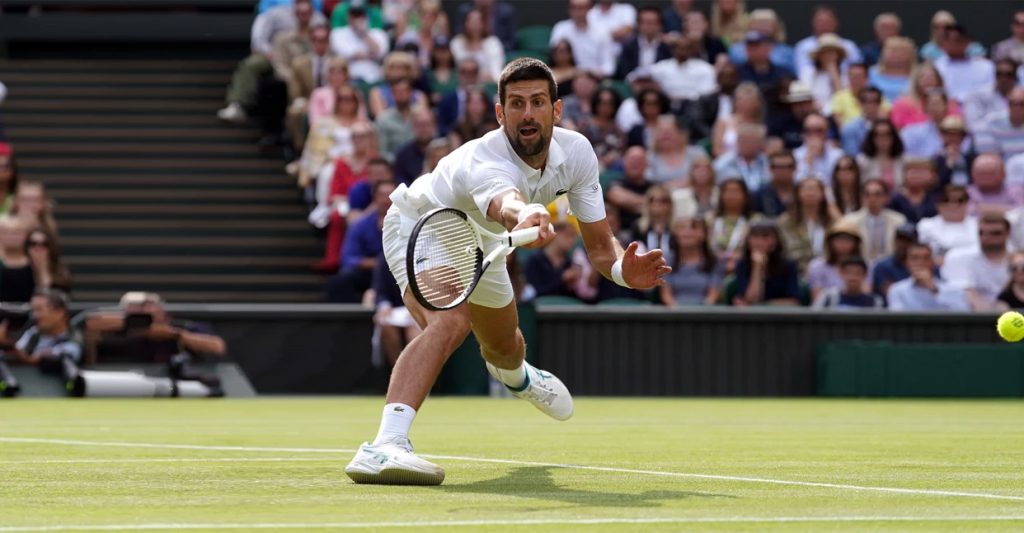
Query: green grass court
column 650, row 465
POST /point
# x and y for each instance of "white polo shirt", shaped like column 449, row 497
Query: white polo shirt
column 471, row 176
column 619, row 14
column 591, row 46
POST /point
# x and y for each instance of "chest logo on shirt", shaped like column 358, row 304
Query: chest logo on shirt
column 561, row 192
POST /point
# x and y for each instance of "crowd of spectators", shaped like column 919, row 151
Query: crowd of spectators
column 825, row 173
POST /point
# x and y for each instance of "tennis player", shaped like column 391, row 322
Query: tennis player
column 502, row 181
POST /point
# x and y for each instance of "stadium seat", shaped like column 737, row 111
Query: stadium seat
column 534, row 39
column 624, row 302
column 526, row 53
column 556, row 300
column 607, row 177
column 622, row 87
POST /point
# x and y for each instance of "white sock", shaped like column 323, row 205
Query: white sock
column 395, row 422
column 514, row 378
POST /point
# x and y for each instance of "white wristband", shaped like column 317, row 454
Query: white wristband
column 530, row 209
column 617, row 274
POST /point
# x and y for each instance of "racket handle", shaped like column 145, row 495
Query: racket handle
column 523, row 236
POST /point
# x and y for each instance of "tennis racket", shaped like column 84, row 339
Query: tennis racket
column 445, row 258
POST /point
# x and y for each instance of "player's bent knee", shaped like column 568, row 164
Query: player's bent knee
column 507, row 351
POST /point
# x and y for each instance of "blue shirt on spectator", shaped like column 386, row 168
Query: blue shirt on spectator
column 364, row 239
column 781, row 55
column 318, row 5
column 892, row 87
column 360, row 195
column 786, row 285
column 853, row 134
column 889, row 271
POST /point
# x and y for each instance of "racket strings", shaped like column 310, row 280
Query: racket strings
column 446, row 257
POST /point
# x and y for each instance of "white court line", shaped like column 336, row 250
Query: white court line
column 168, row 460
column 518, row 522
column 928, row 492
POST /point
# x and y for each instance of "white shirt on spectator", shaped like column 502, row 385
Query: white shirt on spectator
column 944, row 236
column 821, row 87
column 618, row 15
column 490, row 56
column 981, row 106
column 964, row 76
column 907, row 295
column 272, row 22
column 968, row 268
column 345, row 43
column 628, row 115
column 591, row 46
column 1015, row 171
column 803, row 49
column 688, row 80
column 822, row 166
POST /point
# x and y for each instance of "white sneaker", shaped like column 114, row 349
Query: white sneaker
column 232, row 113
column 392, row 463
column 545, row 391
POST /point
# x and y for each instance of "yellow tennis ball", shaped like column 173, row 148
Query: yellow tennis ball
column 1011, row 326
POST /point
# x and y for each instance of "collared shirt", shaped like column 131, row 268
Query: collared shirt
column 619, row 14
column 965, row 76
column 688, row 80
column 345, row 43
column 853, row 134
column 591, row 46
column 1001, row 136
column 648, row 51
column 471, row 176
column 968, row 268
column 982, row 106
column 822, row 166
column 922, row 140
column 756, row 173
column 907, row 295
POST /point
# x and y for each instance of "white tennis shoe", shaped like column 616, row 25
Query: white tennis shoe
column 545, row 391
column 392, row 463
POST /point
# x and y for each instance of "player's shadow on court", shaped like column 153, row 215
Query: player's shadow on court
column 537, row 482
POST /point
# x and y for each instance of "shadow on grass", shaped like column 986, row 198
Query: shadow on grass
column 536, row 482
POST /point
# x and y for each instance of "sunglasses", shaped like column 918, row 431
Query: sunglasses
column 783, row 166
column 1017, row 268
column 996, row 233
column 959, row 201
column 33, row 244
column 1006, row 73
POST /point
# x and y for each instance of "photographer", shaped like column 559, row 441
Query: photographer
column 50, row 344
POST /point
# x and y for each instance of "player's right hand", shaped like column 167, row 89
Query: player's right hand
column 541, row 219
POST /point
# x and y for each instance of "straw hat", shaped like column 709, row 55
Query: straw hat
column 829, row 41
column 798, row 91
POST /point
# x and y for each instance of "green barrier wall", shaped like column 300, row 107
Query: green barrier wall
column 855, row 368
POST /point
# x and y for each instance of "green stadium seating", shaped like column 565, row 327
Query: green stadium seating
column 557, row 300
column 534, row 39
column 624, row 302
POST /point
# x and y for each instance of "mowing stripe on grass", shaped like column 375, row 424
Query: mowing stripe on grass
column 843, row 486
column 520, row 522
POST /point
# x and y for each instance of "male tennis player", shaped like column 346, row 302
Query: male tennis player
column 502, row 181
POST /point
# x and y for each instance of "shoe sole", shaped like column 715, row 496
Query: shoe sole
column 395, row 476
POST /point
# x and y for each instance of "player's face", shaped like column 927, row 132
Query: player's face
column 528, row 117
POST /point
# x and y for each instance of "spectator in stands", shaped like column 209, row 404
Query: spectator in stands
column 731, row 219
column 764, row 28
column 646, row 46
column 824, row 271
column 362, row 250
column 748, row 108
column 591, row 45
column 1004, row 133
column 923, row 290
column 709, row 47
column 1012, row 48
column 892, row 74
column 474, row 41
column 824, row 75
column 855, row 131
column 33, row 206
column 627, row 193
column 882, row 154
column 310, row 72
column 892, row 268
column 362, row 45
column 442, row 74
column 952, row 228
column 501, row 19
column 17, row 282
column 989, row 191
column 410, row 156
column 436, row 150
column 615, row 19
column 478, row 119
column 330, row 137
column 48, row 269
column 982, row 272
column 685, row 76
column 923, row 139
column 823, row 22
column 608, row 141
column 360, row 194
column 452, row 106
column 323, row 100
column 697, row 276
column 729, row 19
column 916, row 199
column 845, row 104
column 551, row 272
column 397, row 66
column 674, row 15
column 699, row 196
column 846, row 181
column 576, row 108
column 374, row 14
column 886, row 25
column 242, row 93
column 985, row 103
column 424, row 27
column 1012, row 296
column 910, row 108
column 953, row 163
column 8, row 180
column 393, row 323
column 394, row 126
column 876, row 224
column 804, row 225
column 850, row 293
column 787, row 126
column 758, row 67
column 776, row 196
column 653, row 230
column 653, row 104
column 289, row 45
column 563, row 66
column 671, row 155
column 50, row 339
column 935, row 48
column 748, row 161
column 816, row 156
column 963, row 73
column 764, row 276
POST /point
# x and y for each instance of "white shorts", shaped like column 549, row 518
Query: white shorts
column 494, row 289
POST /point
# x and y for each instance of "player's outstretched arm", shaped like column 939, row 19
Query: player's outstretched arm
column 639, row 271
column 509, row 209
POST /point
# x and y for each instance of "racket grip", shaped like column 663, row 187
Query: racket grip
column 523, row 236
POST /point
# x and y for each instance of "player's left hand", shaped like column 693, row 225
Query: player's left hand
column 644, row 270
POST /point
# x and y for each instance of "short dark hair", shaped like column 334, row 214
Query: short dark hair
column 526, row 69
column 994, row 217
column 853, row 260
column 919, row 244
column 852, row 66
column 648, row 9
column 871, row 89
column 55, row 298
